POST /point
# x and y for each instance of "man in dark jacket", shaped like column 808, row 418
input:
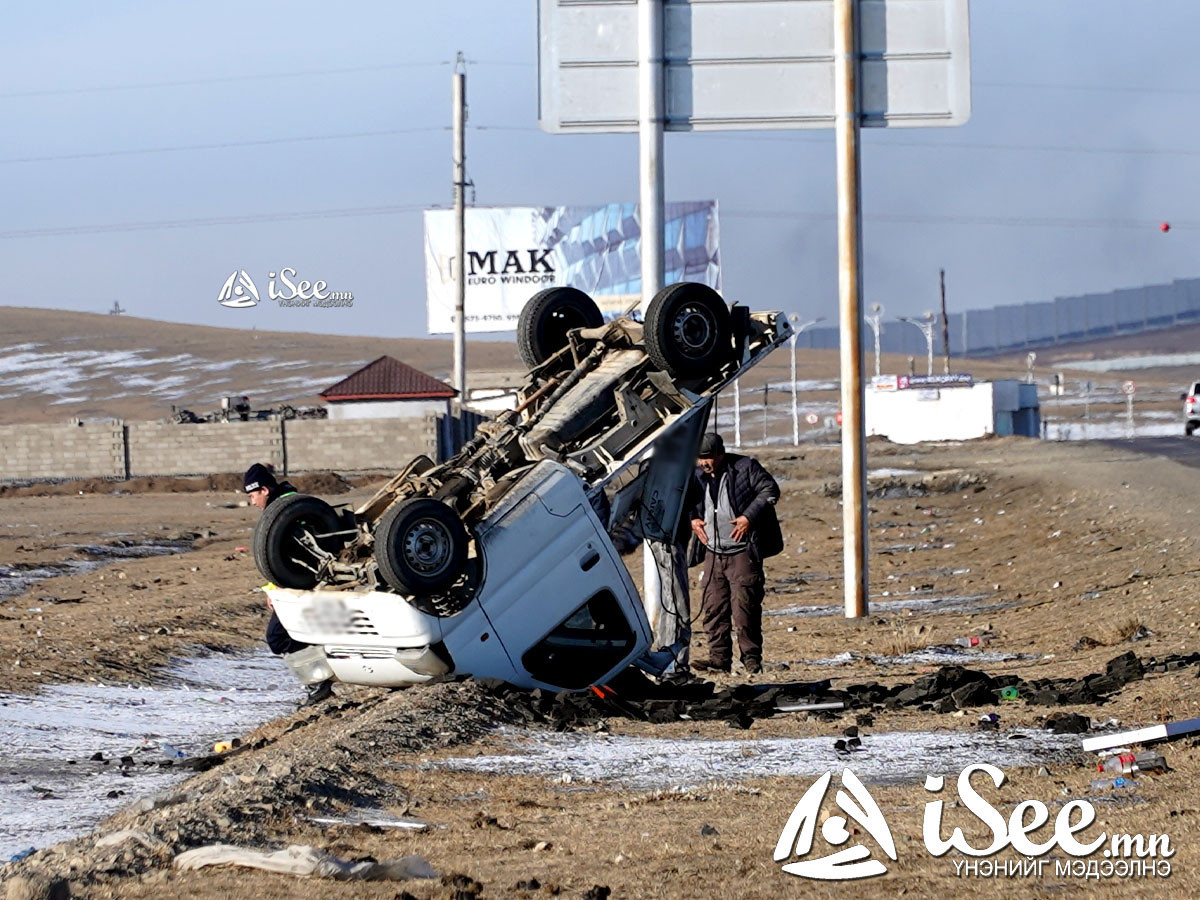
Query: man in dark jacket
column 734, row 517
column 263, row 489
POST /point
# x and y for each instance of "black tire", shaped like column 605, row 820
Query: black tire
column 687, row 330
column 420, row 546
column 1189, row 428
column 275, row 546
column 548, row 316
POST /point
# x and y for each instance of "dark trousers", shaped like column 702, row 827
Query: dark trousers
column 733, row 590
column 279, row 640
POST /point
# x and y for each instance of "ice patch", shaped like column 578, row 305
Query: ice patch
column 199, row 700
column 946, row 604
column 659, row 763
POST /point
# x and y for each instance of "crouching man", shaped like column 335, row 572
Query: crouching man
column 263, row 489
column 734, row 517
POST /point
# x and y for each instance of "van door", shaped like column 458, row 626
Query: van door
column 556, row 594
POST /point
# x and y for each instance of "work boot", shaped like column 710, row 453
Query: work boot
column 317, row 693
column 708, row 665
column 752, row 666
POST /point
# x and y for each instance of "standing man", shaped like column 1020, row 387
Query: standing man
column 263, row 489
column 734, row 517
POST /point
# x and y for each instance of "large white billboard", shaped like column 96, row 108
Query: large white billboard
column 514, row 252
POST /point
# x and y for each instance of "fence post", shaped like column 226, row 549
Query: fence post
column 283, row 453
column 125, row 447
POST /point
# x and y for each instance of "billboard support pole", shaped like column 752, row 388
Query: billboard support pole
column 650, row 197
column 650, row 144
column 460, row 228
column 849, row 228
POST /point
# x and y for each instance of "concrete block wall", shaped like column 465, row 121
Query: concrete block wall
column 69, row 450
column 161, row 448
column 349, row 445
column 118, row 449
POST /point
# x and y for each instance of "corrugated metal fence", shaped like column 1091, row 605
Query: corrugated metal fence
column 1030, row 325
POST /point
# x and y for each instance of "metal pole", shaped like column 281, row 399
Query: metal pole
column 650, row 144
column 875, row 321
column 945, row 326
column 460, row 228
column 737, row 415
column 766, row 387
column 650, row 196
column 795, row 397
column 929, row 345
column 849, row 228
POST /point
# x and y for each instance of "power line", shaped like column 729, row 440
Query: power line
column 249, row 219
column 889, row 142
column 219, row 79
column 1098, row 88
column 987, row 221
column 262, row 76
column 392, row 209
column 225, row 145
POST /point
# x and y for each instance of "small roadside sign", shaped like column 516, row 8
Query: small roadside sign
column 812, row 418
column 1128, row 387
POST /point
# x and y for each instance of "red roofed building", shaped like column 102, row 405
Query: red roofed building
column 386, row 389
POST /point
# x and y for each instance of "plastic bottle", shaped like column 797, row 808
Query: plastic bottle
column 973, row 641
column 1112, row 784
column 171, row 752
column 1130, row 763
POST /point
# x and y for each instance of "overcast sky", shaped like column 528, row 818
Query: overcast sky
column 1083, row 138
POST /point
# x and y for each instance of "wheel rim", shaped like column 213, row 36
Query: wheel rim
column 694, row 329
column 428, row 547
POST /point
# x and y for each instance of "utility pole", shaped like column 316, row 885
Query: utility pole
column 945, row 326
column 849, row 228
column 460, row 227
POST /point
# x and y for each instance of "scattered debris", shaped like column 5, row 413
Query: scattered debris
column 131, row 834
column 1068, row 723
column 1142, row 735
column 1132, row 763
column 304, row 861
column 373, row 819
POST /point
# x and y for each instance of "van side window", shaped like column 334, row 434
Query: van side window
column 584, row 646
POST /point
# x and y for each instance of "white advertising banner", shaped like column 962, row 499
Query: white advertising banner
column 514, row 252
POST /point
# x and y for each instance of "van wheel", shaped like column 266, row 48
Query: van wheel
column 548, row 316
column 420, row 546
column 1189, row 428
column 688, row 332
column 278, row 549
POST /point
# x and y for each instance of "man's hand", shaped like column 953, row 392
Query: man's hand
column 740, row 526
column 698, row 531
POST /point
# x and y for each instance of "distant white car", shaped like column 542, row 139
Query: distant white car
column 495, row 563
column 1191, row 408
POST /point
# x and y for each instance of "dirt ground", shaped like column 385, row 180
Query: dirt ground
column 1076, row 552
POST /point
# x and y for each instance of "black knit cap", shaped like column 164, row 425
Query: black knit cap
column 710, row 445
column 258, row 476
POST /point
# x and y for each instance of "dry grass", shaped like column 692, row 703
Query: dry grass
column 905, row 640
column 1128, row 630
